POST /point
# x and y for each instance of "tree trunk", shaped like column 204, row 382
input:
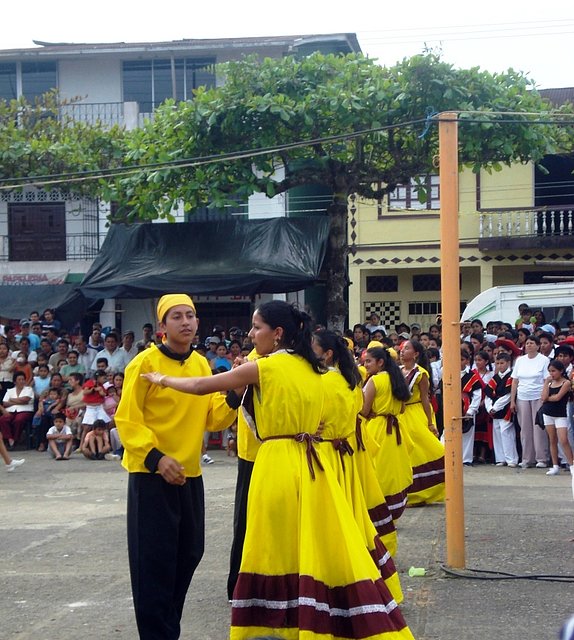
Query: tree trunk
column 336, row 267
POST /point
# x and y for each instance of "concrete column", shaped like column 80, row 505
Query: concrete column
column 108, row 313
column 486, row 276
column 131, row 115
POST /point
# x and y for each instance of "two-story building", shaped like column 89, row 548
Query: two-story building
column 516, row 226
column 52, row 237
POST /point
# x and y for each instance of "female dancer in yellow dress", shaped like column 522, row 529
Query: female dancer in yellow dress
column 305, row 572
column 386, row 393
column 427, row 455
column 343, row 401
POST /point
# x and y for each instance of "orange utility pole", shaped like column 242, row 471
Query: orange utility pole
column 450, row 299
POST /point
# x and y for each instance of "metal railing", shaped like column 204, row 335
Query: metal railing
column 79, row 246
column 106, row 113
column 538, row 221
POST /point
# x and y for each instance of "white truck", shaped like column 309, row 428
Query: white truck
column 555, row 299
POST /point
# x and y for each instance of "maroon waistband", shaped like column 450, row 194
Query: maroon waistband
column 310, row 441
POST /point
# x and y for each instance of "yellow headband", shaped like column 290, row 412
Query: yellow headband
column 172, row 300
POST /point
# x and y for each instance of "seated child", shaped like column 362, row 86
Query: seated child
column 97, row 442
column 60, row 438
column 41, row 380
column 111, row 400
column 49, row 404
column 94, row 394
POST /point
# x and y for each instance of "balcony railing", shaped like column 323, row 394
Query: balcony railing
column 540, row 221
column 106, row 113
column 536, row 227
column 79, row 246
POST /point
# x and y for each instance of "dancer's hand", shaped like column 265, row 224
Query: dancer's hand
column 171, row 470
column 155, row 377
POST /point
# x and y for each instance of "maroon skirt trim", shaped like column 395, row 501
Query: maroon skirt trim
column 397, row 503
column 427, row 475
column 382, row 518
column 383, row 559
column 358, row 610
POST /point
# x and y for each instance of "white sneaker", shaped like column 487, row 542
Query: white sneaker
column 555, row 471
column 500, row 464
column 206, row 459
column 112, row 456
column 541, row 465
column 15, row 463
column 512, row 465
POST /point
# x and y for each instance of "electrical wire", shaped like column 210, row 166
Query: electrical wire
column 85, row 176
column 201, row 160
column 483, row 574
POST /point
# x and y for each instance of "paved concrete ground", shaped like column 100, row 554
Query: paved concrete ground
column 64, row 567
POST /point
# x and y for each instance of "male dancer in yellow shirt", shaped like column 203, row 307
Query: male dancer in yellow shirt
column 161, row 431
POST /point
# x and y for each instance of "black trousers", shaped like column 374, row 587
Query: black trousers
column 244, row 471
column 166, row 539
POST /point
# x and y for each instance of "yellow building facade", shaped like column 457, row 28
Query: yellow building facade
column 394, row 265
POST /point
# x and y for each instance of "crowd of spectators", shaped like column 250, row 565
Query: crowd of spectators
column 57, row 389
column 48, row 377
column 516, row 385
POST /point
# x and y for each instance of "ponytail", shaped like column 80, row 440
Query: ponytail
column 399, row 386
column 342, row 357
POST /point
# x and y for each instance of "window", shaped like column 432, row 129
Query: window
column 8, row 82
column 426, row 282
column 382, row 284
column 407, row 196
column 37, row 232
column 150, row 82
column 38, row 78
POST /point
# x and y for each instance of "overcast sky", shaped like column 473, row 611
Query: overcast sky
column 495, row 35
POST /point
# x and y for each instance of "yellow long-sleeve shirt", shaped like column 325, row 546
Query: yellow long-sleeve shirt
column 154, row 417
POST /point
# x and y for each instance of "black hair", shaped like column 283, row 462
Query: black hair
column 432, row 352
column 423, row 361
column 502, row 355
column 99, row 424
column 478, row 321
column 524, row 330
column 297, row 329
column 102, row 359
column 77, row 376
column 59, row 416
column 546, row 334
column 479, row 337
column 235, row 342
column 399, row 386
column 559, row 365
column 485, row 356
column 533, row 338
column 342, row 357
column 18, row 374
column 114, row 335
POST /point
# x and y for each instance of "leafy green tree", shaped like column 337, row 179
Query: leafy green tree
column 42, row 143
column 274, row 103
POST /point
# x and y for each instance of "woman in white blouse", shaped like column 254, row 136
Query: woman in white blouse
column 17, row 409
column 528, row 375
